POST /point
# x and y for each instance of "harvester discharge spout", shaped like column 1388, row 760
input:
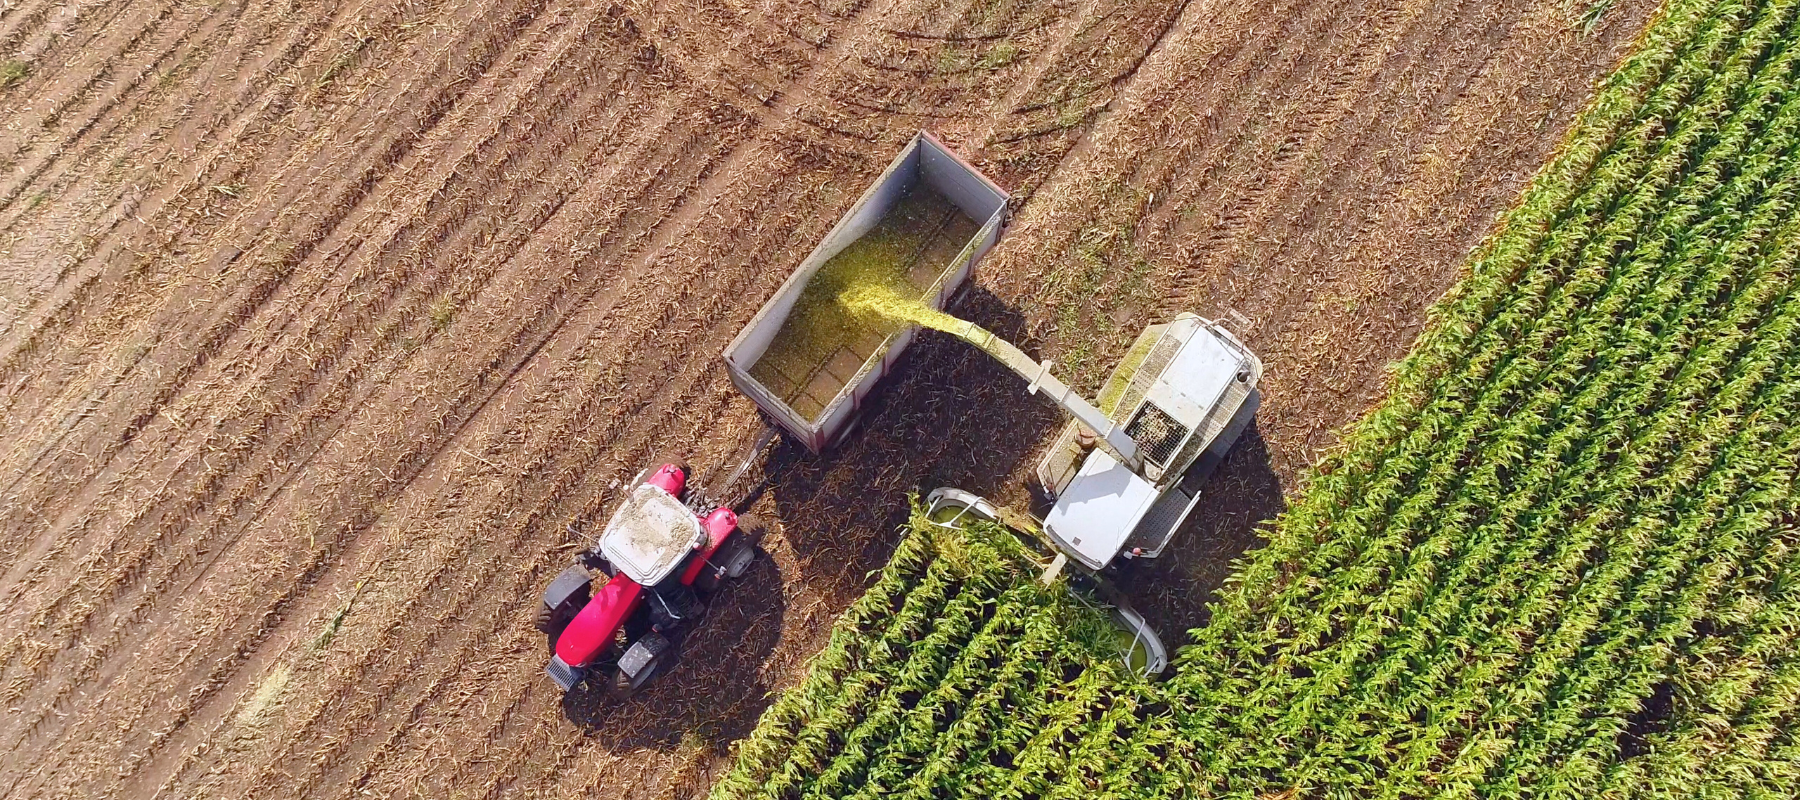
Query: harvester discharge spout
column 884, row 301
column 1110, row 434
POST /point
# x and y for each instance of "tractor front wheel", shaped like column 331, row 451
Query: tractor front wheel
column 562, row 601
column 645, row 659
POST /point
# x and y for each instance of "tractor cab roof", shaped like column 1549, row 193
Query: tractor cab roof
column 650, row 534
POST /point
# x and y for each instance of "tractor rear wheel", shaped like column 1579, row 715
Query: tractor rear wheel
column 741, row 549
column 731, row 560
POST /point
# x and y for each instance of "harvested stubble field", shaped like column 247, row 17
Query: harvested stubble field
column 320, row 322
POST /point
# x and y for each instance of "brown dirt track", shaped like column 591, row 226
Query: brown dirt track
column 319, row 323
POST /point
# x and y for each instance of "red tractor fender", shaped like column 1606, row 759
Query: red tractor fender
column 719, row 525
column 668, row 478
column 592, row 630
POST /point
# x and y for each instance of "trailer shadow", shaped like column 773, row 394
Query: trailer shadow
column 1174, row 591
column 947, row 415
column 715, row 693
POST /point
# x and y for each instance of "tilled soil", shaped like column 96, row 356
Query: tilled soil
column 327, row 330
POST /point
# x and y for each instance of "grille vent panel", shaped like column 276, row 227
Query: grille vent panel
column 1157, row 433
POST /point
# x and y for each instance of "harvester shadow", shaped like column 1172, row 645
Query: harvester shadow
column 1240, row 498
column 714, row 694
column 946, row 415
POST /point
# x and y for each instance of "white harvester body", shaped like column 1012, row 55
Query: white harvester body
column 1125, row 473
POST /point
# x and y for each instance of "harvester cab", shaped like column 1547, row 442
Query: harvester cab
column 1124, row 474
column 620, row 612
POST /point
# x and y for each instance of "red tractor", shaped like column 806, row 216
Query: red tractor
column 616, row 618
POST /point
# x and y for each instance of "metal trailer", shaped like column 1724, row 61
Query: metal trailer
column 818, row 407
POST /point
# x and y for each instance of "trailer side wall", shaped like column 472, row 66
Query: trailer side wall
column 924, row 160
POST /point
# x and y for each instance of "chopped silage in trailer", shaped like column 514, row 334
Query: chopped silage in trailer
column 825, row 339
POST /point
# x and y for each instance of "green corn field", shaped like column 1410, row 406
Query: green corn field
column 956, row 662
column 1560, row 560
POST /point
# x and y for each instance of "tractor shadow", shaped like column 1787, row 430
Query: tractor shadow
column 714, row 694
column 946, row 415
column 1174, row 591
